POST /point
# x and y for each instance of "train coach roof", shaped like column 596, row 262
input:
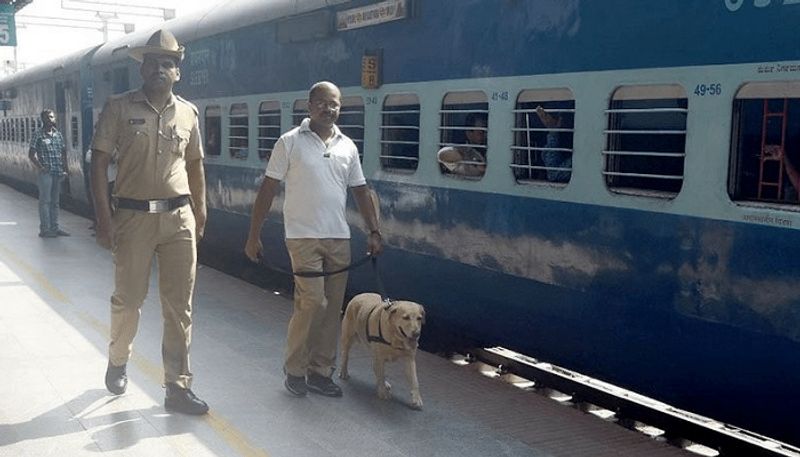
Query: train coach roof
column 224, row 16
column 67, row 64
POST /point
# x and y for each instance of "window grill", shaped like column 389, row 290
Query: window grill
column 238, row 132
column 543, row 136
column 213, row 131
column 73, row 131
column 351, row 122
column 299, row 112
column 400, row 133
column 463, row 129
column 269, row 127
column 765, row 150
column 646, row 140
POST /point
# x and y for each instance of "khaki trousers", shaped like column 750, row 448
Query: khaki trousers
column 314, row 326
column 170, row 236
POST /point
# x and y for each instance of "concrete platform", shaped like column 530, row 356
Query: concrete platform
column 54, row 311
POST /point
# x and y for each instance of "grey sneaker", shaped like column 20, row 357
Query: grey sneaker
column 296, row 385
column 323, row 385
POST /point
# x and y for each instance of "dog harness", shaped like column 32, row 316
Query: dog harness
column 379, row 338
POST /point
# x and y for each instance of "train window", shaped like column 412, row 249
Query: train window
column 765, row 155
column 33, row 127
column 299, row 112
column 646, row 140
column 26, row 130
column 464, row 129
column 213, row 133
column 238, row 131
column 269, row 127
column 73, row 131
column 543, row 128
column 351, row 121
column 400, row 132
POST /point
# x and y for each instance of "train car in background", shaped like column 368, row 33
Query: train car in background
column 61, row 85
column 660, row 250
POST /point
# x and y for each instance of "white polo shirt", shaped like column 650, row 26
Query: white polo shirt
column 317, row 178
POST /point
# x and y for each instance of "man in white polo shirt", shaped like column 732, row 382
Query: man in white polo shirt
column 318, row 163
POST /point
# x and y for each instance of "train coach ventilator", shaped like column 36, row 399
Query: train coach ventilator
column 691, row 432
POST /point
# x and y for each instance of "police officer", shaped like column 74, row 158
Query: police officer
column 160, row 210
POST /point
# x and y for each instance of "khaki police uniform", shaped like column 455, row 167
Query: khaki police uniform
column 153, row 148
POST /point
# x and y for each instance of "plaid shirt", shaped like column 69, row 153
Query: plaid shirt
column 48, row 149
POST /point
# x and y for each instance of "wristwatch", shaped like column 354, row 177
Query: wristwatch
column 376, row 232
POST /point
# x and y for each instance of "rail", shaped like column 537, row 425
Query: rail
column 680, row 426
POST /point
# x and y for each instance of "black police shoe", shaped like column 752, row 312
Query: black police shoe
column 184, row 401
column 296, row 385
column 116, row 379
column 323, row 385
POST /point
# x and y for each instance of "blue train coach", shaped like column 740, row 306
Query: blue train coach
column 637, row 219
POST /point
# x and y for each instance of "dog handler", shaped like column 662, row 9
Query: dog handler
column 160, row 204
column 318, row 163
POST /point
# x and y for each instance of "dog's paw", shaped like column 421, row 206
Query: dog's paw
column 385, row 391
column 344, row 375
column 416, row 404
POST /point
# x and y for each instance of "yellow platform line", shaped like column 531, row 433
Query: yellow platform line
column 229, row 433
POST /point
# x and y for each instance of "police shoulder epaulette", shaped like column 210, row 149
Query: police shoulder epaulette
column 194, row 108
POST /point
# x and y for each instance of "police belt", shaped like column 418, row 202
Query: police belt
column 152, row 206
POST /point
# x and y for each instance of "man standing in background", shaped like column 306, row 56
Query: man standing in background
column 49, row 155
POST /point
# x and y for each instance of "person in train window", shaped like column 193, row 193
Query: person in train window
column 554, row 159
column 318, row 163
column 49, row 155
column 774, row 151
column 160, row 210
column 467, row 160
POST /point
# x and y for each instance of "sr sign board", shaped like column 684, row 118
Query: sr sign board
column 8, row 32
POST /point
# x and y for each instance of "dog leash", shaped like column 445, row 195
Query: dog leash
column 379, row 281
column 317, row 274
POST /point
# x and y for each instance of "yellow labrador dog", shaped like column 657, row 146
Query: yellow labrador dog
column 391, row 331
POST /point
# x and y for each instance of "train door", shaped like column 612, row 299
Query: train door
column 61, row 115
column 86, row 116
